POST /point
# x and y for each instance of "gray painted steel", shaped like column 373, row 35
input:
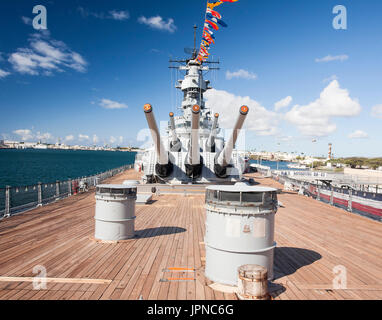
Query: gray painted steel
column 144, row 198
column 115, row 212
column 131, row 182
column 190, row 138
column 239, row 230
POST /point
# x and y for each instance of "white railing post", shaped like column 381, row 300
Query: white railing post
column 350, row 203
column 57, row 189
column 39, row 194
column 7, row 201
column 318, row 192
column 69, row 188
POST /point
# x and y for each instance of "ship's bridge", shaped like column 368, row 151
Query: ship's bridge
column 193, row 85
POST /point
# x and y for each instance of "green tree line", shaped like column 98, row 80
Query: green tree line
column 355, row 162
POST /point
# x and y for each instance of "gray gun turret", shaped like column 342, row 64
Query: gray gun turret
column 193, row 151
column 223, row 159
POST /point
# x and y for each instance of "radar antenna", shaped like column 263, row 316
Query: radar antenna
column 194, row 54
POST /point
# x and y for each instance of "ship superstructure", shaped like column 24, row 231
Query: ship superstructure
column 193, row 150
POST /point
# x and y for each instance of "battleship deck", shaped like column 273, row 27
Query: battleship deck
column 312, row 238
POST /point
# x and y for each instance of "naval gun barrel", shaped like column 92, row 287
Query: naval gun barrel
column 163, row 166
column 194, row 154
column 194, row 162
column 224, row 157
column 175, row 143
column 211, row 139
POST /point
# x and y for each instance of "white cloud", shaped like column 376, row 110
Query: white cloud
column 109, row 104
column 83, row 137
column 330, row 58
column 4, row 74
column 283, row 103
column 27, row 20
column 259, row 119
column 46, row 55
column 25, row 134
column 119, row 15
column 120, row 139
column 376, row 111
column 314, row 119
column 95, row 139
column 241, row 74
column 358, row 134
column 330, row 79
column 158, row 23
column 113, row 14
column 69, row 138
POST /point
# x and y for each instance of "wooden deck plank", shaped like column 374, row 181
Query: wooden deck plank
column 182, row 286
column 312, row 238
column 156, row 274
column 147, row 263
column 173, row 286
column 163, row 264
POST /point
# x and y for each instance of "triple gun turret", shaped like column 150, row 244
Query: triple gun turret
column 194, row 160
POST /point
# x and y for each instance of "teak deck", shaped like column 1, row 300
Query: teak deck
column 312, row 238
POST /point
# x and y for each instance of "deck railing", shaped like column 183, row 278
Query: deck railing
column 14, row 200
column 323, row 192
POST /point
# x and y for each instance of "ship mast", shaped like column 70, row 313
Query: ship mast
column 194, row 54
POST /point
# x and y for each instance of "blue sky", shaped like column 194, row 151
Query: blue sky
column 100, row 61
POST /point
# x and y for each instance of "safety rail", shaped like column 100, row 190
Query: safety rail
column 14, row 200
column 361, row 199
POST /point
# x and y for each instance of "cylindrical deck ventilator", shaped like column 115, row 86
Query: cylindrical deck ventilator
column 239, row 230
column 252, row 282
column 115, row 212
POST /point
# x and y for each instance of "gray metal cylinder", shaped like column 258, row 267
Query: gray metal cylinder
column 115, row 212
column 239, row 230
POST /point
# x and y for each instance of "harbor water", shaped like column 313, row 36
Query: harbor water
column 30, row 166
column 281, row 165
